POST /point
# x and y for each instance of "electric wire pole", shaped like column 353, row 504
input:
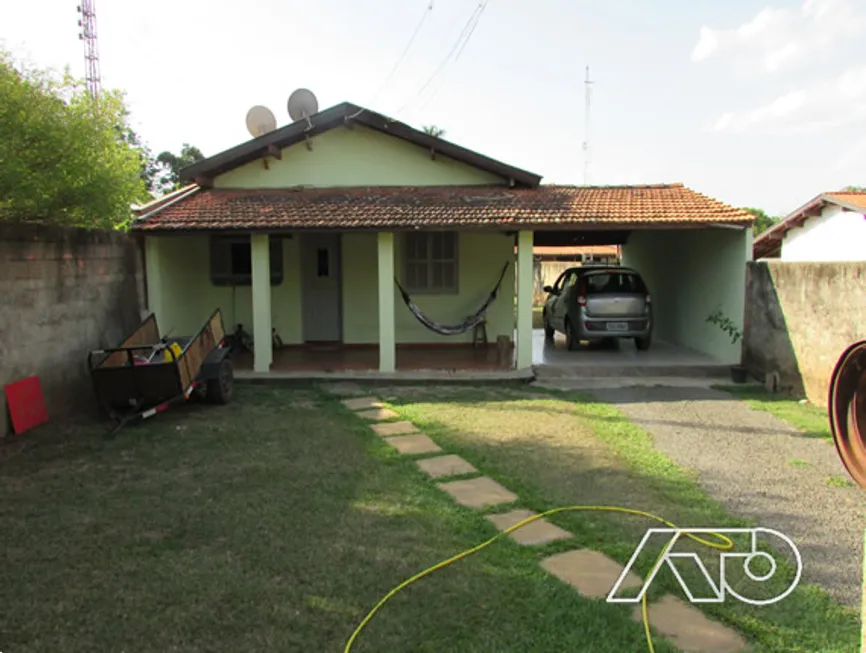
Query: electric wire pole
column 587, row 161
column 87, row 23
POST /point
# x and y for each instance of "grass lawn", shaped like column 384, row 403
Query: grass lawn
column 555, row 449
column 276, row 523
column 812, row 421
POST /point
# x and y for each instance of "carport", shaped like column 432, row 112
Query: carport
column 691, row 251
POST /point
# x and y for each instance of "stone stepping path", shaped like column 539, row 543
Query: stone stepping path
column 377, row 414
column 362, row 403
column 394, row 428
column 534, row 533
column 443, row 466
column 413, row 445
column 478, row 492
column 689, row 629
column 591, row 573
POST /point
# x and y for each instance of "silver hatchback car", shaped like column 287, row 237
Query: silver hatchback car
column 599, row 302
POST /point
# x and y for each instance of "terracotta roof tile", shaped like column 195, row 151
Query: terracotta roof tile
column 855, row 198
column 450, row 207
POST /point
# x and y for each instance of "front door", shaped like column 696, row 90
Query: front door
column 320, row 278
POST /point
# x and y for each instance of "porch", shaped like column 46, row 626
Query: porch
column 411, row 361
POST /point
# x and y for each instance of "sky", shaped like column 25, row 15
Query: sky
column 754, row 104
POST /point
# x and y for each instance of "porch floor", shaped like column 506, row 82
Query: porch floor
column 348, row 359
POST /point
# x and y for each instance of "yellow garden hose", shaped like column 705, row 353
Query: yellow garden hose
column 725, row 544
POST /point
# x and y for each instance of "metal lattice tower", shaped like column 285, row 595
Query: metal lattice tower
column 587, row 161
column 87, row 23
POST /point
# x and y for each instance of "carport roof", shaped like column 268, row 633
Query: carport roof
column 438, row 207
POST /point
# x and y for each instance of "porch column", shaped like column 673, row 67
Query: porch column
column 261, row 291
column 387, row 339
column 524, row 300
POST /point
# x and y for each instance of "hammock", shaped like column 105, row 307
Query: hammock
column 452, row 329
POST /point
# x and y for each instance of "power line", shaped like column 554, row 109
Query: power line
column 420, row 24
column 459, row 44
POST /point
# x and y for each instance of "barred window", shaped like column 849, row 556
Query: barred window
column 430, row 262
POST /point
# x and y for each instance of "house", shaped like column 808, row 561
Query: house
column 305, row 230
column 829, row 227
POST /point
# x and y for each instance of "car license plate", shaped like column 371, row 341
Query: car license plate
column 617, row 326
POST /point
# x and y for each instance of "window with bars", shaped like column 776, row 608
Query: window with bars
column 231, row 262
column 430, row 262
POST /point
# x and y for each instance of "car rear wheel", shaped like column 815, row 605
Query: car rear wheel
column 570, row 341
column 549, row 331
column 643, row 343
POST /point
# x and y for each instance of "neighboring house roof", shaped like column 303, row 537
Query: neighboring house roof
column 204, row 171
column 441, row 207
column 769, row 243
column 598, row 250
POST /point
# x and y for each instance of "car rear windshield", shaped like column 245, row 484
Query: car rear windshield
column 614, row 282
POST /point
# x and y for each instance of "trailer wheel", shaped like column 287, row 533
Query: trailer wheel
column 219, row 388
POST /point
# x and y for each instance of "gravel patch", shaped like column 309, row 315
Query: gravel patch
column 743, row 460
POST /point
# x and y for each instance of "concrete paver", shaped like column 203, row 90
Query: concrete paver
column 534, row 533
column 410, row 445
column 394, row 428
column 689, row 629
column 377, row 414
column 478, row 492
column 442, row 466
column 362, row 403
column 591, row 573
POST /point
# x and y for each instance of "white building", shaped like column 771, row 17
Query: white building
column 830, row 227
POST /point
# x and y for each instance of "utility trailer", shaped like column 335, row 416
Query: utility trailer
column 147, row 374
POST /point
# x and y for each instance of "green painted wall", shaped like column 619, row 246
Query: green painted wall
column 481, row 256
column 188, row 297
column 690, row 272
column 356, row 157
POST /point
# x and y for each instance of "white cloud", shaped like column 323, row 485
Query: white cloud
column 775, row 38
column 832, row 103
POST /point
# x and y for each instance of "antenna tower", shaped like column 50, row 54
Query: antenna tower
column 87, row 23
column 587, row 161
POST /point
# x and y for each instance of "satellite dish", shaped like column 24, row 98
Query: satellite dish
column 260, row 121
column 302, row 105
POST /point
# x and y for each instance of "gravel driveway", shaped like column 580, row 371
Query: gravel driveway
column 743, row 458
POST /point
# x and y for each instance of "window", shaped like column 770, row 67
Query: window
column 322, row 262
column 615, row 282
column 430, row 262
column 231, row 261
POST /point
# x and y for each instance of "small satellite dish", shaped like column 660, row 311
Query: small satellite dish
column 260, row 121
column 302, row 105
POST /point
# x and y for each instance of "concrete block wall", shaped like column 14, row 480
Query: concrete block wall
column 63, row 292
column 800, row 317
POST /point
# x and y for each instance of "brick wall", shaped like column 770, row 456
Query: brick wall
column 63, row 292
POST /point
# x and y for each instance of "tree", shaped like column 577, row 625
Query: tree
column 171, row 164
column 433, row 130
column 763, row 221
column 64, row 156
column 855, row 189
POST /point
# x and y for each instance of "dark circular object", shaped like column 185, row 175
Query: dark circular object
column 219, row 389
column 847, row 410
